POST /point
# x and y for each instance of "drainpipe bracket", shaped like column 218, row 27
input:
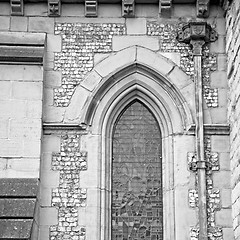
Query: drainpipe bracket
column 194, row 166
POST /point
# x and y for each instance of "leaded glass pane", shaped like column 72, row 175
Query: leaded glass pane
column 136, row 176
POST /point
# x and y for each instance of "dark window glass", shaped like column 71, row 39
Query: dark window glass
column 137, row 211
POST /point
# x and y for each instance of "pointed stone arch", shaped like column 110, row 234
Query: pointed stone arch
column 108, row 74
column 132, row 74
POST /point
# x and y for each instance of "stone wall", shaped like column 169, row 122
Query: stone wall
column 20, row 120
column 233, row 50
column 70, row 158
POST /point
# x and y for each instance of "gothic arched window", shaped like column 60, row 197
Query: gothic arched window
column 137, row 209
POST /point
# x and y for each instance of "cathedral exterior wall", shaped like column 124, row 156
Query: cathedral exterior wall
column 232, row 48
column 73, row 203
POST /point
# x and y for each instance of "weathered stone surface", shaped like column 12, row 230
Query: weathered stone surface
column 27, row 91
column 21, row 73
column 18, row 24
column 224, row 218
column 52, row 78
column 22, row 38
column 5, row 87
column 15, row 228
column 136, row 26
column 11, row 148
column 41, row 24
column 4, row 23
column 35, row 9
column 54, row 43
column 121, row 42
column 17, row 207
column 20, row 167
column 18, row 187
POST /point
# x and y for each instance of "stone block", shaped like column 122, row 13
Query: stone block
column 224, row 218
column 13, row 187
column 18, row 24
column 228, row 233
column 220, row 143
column 34, row 109
column 46, row 161
column 54, row 43
column 98, row 57
column 218, row 79
column 11, row 148
column 224, row 161
column 25, row 128
column 179, row 78
column 109, row 10
column 121, row 42
column 146, row 10
column 21, row 73
column 219, row 115
column 4, row 9
column 17, row 207
column 221, row 62
column 182, row 145
column 21, row 168
column 48, row 96
column 35, row 9
column 93, row 20
column 154, row 61
column 44, row 231
column 45, row 196
column 180, row 10
column 226, row 199
column 91, row 81
column 41, row 24
column 136, row 26
column 48, row 216
column 31, row 148
column 12, row 109
column 5, row 92
column 116, row 62
column 52, row 78
column 222, row 180
column 15, row 228
column 221, row 25
column 48, row 61
column 3, row 164
column 27, row 90
column 222, row 97
column 77, row 103
column 53, row 114
column 175, row 57
column 182, row 209
column 219, row 45
column 25, row 38
column 70, row 10
column 49, row 179
column 4, row 23
column 51, row 143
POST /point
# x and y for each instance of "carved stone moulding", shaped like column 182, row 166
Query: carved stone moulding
column 16, row 7
column 91, row 7
column 22, row 48
column 165, row 7
column 203, row 8
column 197, row 31
column 128, row 8
column 54, row 8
